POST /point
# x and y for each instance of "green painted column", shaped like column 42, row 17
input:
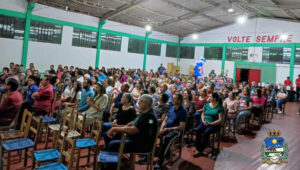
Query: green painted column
column 292, row 63
column 223, row 59
column 100, row 26
column 234, row 72
column 30, row 7
column 178, row 50
column 146, row 49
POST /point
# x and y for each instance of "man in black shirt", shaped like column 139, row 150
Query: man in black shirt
column 142, row 130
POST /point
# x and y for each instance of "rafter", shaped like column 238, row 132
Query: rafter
column 286, row 11
column 93, row 4
column 121, row 9
column 191, row 13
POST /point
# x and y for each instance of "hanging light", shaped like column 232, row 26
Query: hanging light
column 195, row 36
column 284, row 36
column 148, row 28
column 230, row 10
column 242, row 19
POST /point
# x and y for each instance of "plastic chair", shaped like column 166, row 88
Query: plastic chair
column 106, row 157
column 64, row 154
column 90, row 143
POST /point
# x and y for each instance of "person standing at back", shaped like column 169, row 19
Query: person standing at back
column 161, row 69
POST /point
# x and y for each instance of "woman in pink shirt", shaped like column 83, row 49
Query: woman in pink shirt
column 231, row 104
column 258, row 102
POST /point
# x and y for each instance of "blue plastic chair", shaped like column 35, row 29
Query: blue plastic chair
column 22, row 143
column 90, row 143
column 112, row 157
column 53, row 166
column 64, row 154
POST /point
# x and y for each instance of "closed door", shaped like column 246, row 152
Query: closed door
column 254, row 75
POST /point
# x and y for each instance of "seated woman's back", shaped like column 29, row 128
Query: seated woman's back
column 123, row 117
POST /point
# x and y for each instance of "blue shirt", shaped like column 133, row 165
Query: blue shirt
column 175, row 116
column 101, row 77
column 82, row 105
column 178, row 86
column 170, row 96
column 117, row 101
column 31, row 89
column 161, row 70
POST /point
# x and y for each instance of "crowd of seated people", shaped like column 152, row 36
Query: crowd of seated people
column 137, row 102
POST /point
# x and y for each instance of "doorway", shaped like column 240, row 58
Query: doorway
column 244, row 75
column 248, row 75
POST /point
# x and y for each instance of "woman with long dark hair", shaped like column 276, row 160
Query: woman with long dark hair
column 211, row 120
column 97, row 105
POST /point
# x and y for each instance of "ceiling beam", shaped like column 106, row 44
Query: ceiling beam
column 286, row 11
column 121, row 9
column 93, row 4
column 247, row 5
column 191, row 13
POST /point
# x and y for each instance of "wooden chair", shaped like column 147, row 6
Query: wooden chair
column 68, row 121
column 90, row 143
column 64, row 154
column 13, row 124
column 24, row 129
column 48, row 155
column 227, row 124
column 150, row 155
column 25, row 143
column 106, row 157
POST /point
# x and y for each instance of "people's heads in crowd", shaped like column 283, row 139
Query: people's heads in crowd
column 246, row 91
column 231, row 96
column 31, row 80
column 163, row 98
column 87, row 84
column 12, row 65
column 100, row 89
column 127, row 99
column 177, row 99
column 46, row 81
column 257, row 92
column 145, row 103
column 187, row 95
column 78, row 73
column 11, row 85
column 5, row 70
column 94, row 80
column 215, row 98
column 124, row 87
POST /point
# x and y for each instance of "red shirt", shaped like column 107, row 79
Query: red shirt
column 45, row 99
column 287, row 82
column 199, row 104
column 298, row 81
column 9, row 108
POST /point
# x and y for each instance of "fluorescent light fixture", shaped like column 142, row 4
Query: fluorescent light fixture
column 148, row 28
column 284, row 37
column 230, row 10
column 195, row 36
column 242, row 19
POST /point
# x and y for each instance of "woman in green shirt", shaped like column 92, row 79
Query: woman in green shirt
column 210, row 122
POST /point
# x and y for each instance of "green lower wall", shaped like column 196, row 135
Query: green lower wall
column 267, row 73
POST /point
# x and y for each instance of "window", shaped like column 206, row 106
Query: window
column 297, row 56
column 187, row 52
column 171, row 51
column 237, row 53
column 111, row 42
column 11, row 27
column 45, row 32
column 84, row 38
column 136, row 46
column 213, row 53
column 276, row 55
column 153, row 48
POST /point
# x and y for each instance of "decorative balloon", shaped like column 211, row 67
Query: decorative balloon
column 198, row 69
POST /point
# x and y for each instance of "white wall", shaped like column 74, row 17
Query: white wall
column 229, row 66
column 282, row 71
column 15, row 5
column 45, row 54
column 253, row 27
column 10, row 51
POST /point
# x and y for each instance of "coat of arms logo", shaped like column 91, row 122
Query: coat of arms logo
column 274, row 150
